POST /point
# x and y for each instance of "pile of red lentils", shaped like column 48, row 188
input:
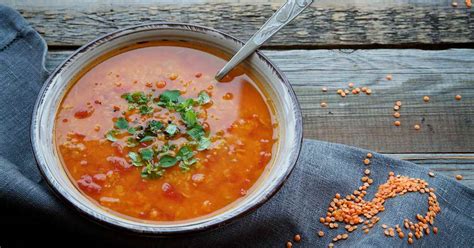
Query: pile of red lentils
column 352, row 211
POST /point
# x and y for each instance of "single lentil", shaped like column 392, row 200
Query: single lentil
column 320, row 233
column 426, row 98
column 366, row 161
column 458, row 97
column 397, row 123
column 458, row 177
column 417, row 127
column 396, row 115
column 431, row 174
column 297, row 238
column 323, row 105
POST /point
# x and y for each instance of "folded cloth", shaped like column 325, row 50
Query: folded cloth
column 31, row 215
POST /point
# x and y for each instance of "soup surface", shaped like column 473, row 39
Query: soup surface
column 147, row 132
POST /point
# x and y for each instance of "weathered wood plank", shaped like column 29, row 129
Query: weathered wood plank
column 366, row 121
column 448, row 165
column 322, row 25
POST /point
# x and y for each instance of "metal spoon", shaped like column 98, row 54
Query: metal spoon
column 286, row 13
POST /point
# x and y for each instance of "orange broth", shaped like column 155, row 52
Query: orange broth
column 238, row 120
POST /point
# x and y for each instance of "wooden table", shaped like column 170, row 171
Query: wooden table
column 427, row 47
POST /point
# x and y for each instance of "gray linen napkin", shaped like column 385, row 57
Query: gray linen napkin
column 31, row 215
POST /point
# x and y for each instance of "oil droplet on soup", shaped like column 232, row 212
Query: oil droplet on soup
column 109, row 169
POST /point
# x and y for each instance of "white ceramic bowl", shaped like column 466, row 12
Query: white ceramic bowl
column 286, row 151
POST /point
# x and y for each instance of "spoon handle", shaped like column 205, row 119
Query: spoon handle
column 279, row 19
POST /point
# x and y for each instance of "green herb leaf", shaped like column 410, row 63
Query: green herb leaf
column 185, row 105
column 170, row 96
column 131, row 142
column 171, row 129
column 155, row 126
column 147, row 138
column 136, row 97
column 110, row 135
column 167, row 161
column 196, row 132
column 185, row 165
column 131, row 130
column 151, row 171
column 136, row 160
column 203, row 98
column 145, row 109
column 189, row 117
column 184, row 153
column 121, row 123
column 147, row 154
column 203, row 144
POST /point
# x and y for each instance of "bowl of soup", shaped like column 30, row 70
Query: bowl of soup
column 133, row 131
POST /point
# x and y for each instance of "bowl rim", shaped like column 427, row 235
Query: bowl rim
column 41, row 164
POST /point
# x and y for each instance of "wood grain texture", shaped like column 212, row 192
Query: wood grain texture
column 322, row 25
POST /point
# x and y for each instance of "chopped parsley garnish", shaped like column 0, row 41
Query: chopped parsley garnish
column 171, row 129
column 154, row 159
column 203, row 98
column 121, row 123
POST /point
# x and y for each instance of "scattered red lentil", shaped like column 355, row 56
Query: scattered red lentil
column 417, row 127
column 458, row 97
column 297, row 238
column 468, row 3
column 458, row 177
column 454, row 4
column 289, row 244
column 369, row 155
column 343, row 94
column 321, row 233
column 324, row 89
column 431, row 174
column 396, row 107
column 426, row 98
column 389, row 77
column 351, row 85
column 435, row 230
column 397, row 123
column 396, row 115
column 160, row 84
column 323, row 104
column 173, row 76
column 398, row 103
column 366, row 161
column 368, row 91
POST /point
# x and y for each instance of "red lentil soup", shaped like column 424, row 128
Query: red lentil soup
column 147, row 132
